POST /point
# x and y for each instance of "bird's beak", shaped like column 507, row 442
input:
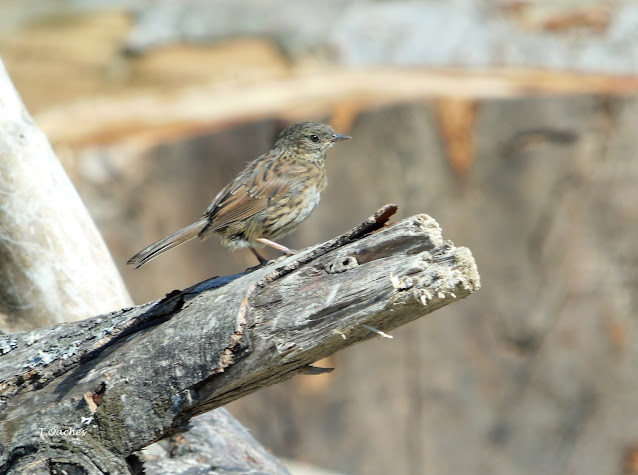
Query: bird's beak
column 337, row 137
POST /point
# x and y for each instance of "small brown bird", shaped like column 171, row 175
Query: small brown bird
column 267, row 200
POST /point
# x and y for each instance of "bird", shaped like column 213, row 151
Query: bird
column 267, row 200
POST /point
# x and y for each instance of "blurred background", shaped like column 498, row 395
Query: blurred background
column 513, row 123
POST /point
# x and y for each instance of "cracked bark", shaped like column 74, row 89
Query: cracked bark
column 138, row 375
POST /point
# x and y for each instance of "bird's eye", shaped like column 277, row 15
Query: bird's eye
column 314, row 138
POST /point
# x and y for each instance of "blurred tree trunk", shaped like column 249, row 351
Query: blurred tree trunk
column 55, row 266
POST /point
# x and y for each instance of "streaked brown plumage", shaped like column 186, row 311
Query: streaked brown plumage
column 268, row 199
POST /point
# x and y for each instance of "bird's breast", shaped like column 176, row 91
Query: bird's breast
column 285, row 215
column 305, row 199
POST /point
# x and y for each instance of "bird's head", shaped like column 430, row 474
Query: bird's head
column 309, row 138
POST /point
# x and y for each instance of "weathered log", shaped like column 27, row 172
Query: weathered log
column 137, row 375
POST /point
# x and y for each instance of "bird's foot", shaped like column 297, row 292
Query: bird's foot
column 262, row 260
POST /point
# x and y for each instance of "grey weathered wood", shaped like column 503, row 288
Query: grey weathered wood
column 137, row 375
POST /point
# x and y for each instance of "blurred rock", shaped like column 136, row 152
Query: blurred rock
column 462, row 33
column 298, row 27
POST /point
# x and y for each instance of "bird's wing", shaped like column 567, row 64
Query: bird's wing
column 251, row 192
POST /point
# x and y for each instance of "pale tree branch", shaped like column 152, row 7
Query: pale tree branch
column 55, row 266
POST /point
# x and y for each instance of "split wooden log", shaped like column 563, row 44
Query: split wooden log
column 121, row 381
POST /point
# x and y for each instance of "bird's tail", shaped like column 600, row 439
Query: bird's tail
column 169, row 242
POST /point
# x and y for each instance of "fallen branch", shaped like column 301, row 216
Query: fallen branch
column 138, row 375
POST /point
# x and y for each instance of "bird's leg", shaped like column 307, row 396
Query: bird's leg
column 279, row 247
column 262, row 260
